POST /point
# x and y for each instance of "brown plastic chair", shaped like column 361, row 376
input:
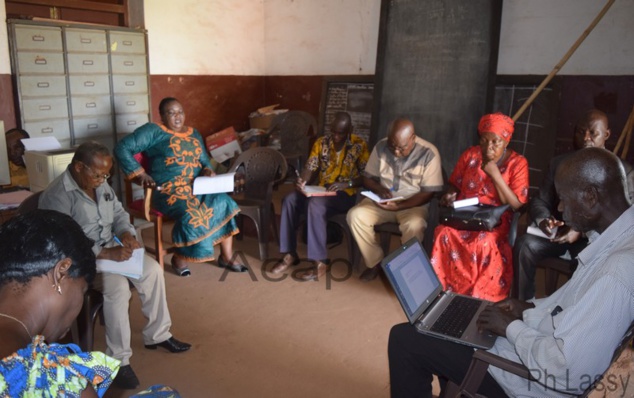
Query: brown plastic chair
column 482, row 359
column 262, row 168
column 294, row 130
column 82, row 329
column 142, row 209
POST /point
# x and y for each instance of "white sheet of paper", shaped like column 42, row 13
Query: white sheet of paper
column 317, row 190
column 465, row 202
column 132, row 268
column 41, row 144
column 214, row 184
column 535, row 230
column 377, row 199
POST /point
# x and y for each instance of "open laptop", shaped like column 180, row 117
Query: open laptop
column 420, row 293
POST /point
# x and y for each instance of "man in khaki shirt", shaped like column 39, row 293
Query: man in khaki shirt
column 400, row 165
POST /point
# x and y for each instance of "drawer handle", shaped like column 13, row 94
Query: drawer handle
column 89, row 84
column 130, row 103
column 127, row 42
column 93, row 126
column 47, row 130
column 85, row 40
column 42, row 84
column 40, row 60
column 128, row 63
column 129, row 83
column 88, row 62
column 45, row 107
column 37, row 38
column 91, row 105
column 131, row 122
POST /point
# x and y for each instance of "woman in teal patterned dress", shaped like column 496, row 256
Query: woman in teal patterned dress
column 176, row 155
column 43, row 276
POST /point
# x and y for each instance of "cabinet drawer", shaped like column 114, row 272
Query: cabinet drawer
column 90, row 127
column 123, row 64
column 127, row 123
column 87, row 63
column 59, row 129
column 90, row 106
column 44, row 108
column 130, row 43
column 42, row 86
column 38, row 38
column 86, row 40
column 122, row 84
column 131, row 104
column 45, row 63
column 89, row 84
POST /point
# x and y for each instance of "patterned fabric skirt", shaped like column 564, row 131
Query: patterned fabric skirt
column 475, row 263
column 200, row 222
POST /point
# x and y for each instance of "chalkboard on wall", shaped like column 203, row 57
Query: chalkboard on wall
column 436, row 66
column 352, row 94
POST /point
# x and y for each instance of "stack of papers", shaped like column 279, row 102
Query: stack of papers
column 377, row 199
column 132, row 268
column 535, row 230
column 12, row 200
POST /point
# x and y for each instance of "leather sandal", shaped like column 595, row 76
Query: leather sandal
column 284, row 263
column 315, row 273
column 232, row 266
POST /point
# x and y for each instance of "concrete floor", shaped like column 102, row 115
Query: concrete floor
column 259, row 335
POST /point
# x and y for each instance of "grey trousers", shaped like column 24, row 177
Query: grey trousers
column 116, row 302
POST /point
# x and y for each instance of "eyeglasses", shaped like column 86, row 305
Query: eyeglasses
column 96, row 176
column 403, row 148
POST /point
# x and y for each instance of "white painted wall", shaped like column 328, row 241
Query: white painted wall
column 324, row 37
column 5, row 63
column 205, row 37
column 536, row 34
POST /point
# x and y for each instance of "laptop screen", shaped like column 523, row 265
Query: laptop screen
column 413, row 278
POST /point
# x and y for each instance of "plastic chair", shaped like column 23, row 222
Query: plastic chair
column 262, row 169
column 482, row 359
column 82, row 329
column 294, row 128
column 142, row 209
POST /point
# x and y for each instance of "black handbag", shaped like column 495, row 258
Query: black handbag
column 479, row 217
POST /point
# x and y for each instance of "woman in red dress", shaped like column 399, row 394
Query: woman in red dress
column 480, row 263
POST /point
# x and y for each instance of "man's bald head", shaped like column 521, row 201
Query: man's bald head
column 400, row 137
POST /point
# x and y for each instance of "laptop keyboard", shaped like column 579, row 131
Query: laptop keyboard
column 456, row 317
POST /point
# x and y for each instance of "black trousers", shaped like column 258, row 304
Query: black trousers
column 415, row 358
column 530, row 250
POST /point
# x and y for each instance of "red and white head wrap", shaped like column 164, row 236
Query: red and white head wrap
column 498, row 124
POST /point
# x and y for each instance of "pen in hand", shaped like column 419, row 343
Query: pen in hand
column 117, row 241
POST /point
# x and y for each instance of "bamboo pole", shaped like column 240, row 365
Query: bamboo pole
column 565, row 58
column 628, row 137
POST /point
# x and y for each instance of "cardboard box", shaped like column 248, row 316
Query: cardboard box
column 223, row 145
column 263, row 117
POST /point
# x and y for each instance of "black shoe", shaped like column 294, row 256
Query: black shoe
column 171, row 345
column 370, row 274
column 126, row 379
column 235, row 267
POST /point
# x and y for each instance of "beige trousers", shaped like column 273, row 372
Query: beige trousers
column 116, row 301
column 363, row 217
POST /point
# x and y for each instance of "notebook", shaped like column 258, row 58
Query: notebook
column 426, row 305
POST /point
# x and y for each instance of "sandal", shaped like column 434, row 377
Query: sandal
column 180, row 271
column 284, row 263
column 235, row 267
